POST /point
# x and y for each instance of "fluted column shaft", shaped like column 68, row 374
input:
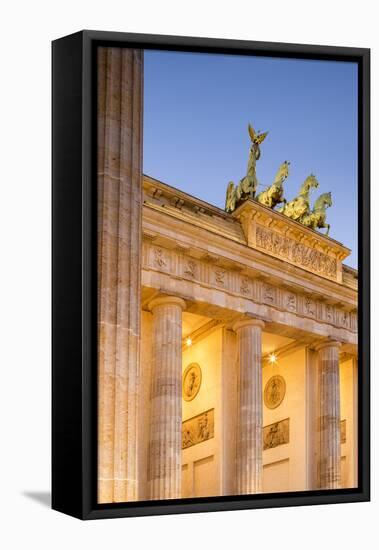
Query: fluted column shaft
column 250, row 412
column 166, row 399
column 119, row 268
column 329, row 416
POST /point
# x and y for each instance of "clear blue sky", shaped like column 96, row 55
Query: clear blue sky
column 196, row 111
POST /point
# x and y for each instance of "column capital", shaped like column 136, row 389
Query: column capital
column 166, row 300
column 247, row 322
column 328, row 344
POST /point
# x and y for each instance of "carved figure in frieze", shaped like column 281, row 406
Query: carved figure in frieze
column 190, row 268
column 269, row 295
column 329, row 313
column 300, row 206
column 291, row 302
column 344, row 318
column 219, row 277
column 274, row 194
column 309, row 307
column 245, row 286
column 159, row 257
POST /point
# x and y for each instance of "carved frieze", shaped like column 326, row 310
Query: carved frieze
column 198, row 429
column 276, row 434
column 206, row 272
column 295, row 252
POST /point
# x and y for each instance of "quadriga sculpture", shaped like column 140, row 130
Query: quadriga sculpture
column 274, row 194
column 317, row 218
column 300, row 206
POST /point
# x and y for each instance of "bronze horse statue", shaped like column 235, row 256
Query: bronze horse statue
column 317, row 218
column 274, row 194
column 299, row 206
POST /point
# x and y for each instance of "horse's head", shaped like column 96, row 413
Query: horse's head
column 283, row 171
column 310, row 182
column 324, row 201
column 327, row 198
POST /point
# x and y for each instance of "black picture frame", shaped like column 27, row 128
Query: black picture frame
column 74, row 309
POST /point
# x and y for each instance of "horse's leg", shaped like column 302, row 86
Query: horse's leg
column 327, row 228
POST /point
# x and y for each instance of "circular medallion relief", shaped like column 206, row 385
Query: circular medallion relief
column 275, row 391
column 191, row 381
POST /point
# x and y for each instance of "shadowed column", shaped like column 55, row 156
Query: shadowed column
column 250, row 413
column 329, row 415
column 166, row 399
column 119, row 268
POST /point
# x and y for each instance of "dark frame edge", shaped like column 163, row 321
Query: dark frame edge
column 364, row 219
column 67, row 315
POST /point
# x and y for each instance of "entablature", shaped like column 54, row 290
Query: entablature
column 199, row 246
column 215, row 281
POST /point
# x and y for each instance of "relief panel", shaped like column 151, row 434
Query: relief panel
column 198, row 429
column 276, row 434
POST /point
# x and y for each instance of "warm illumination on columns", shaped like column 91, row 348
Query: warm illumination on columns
column 119, row 199
column 250, row 408
column 329, row 415
column 165, row 448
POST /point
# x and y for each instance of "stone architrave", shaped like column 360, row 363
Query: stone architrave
column 120, row 73
column 250, row 407
column 329, row 418
column 165, row 446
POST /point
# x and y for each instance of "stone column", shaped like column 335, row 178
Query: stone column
column 229, row 400
column 329, row 415
column 119, row 200
column 250, row 408
column 166, row 399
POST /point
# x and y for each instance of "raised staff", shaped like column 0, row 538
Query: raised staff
column 247, row 187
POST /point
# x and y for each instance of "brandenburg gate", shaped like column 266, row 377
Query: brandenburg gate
column 227, row 339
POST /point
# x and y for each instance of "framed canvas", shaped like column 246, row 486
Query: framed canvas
column 210, row 275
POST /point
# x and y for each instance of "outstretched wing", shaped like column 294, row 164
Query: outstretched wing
column 260, row 138
column 252, row 132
